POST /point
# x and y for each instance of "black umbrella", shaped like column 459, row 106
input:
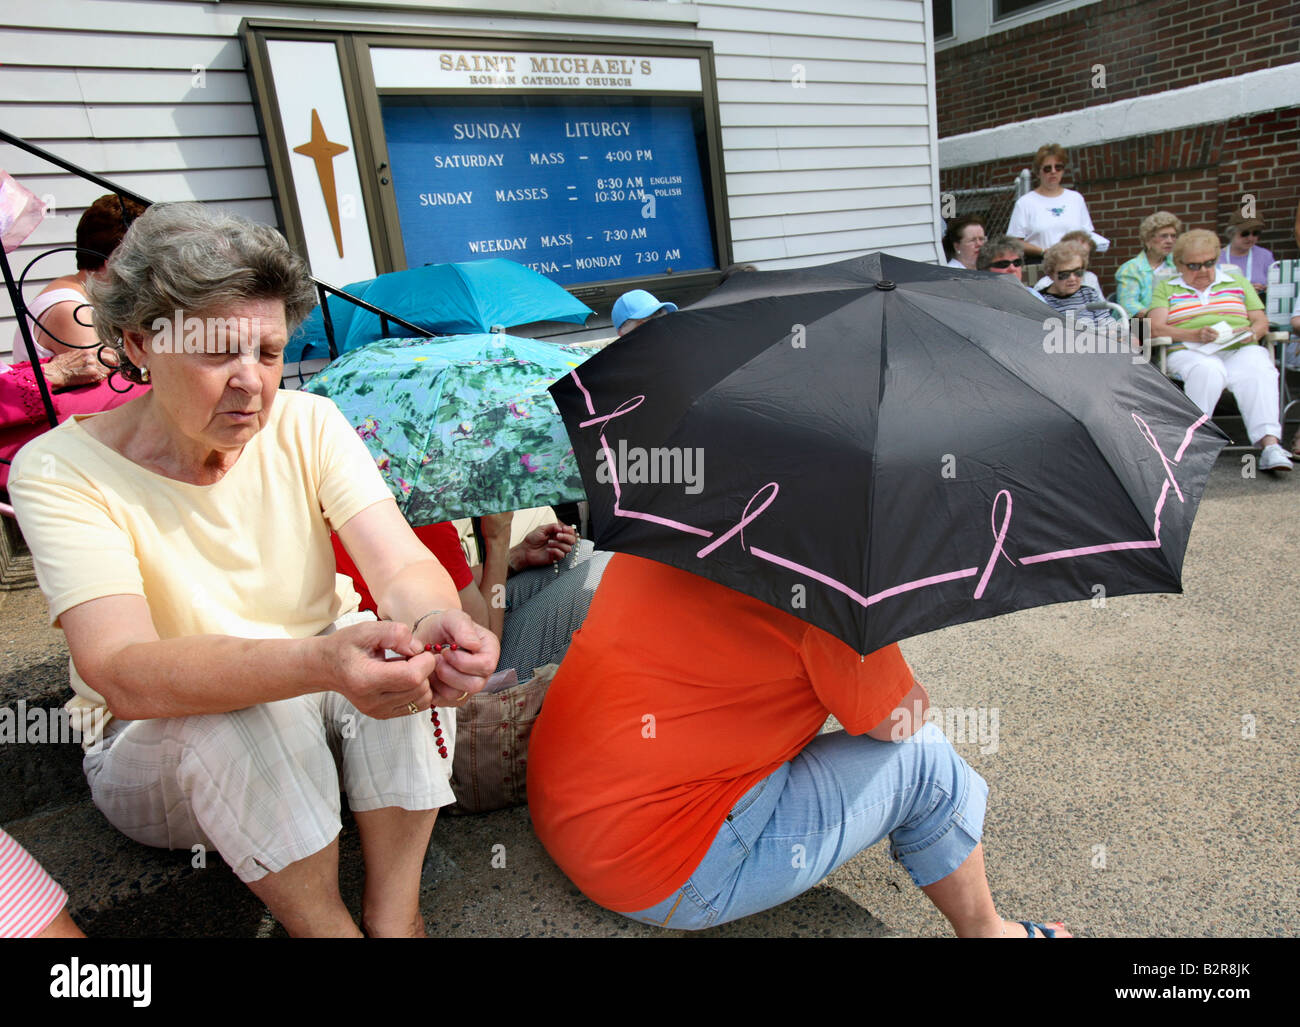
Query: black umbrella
column 884, row 448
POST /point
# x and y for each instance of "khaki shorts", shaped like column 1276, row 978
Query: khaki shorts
column 261, row 785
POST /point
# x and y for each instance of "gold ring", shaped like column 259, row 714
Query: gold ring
column 464, row 696
column 412, row 708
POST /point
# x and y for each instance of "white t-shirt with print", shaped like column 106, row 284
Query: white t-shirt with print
column 1042, row 220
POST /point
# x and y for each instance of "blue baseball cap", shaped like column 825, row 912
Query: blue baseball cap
column 638, row 304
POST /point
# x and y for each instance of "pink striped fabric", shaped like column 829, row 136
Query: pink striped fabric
column 1225, row 299
column 29, row 897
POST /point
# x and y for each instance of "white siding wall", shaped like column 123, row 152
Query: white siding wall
column 841, row 164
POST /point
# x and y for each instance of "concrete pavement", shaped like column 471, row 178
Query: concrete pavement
column 1142, row 776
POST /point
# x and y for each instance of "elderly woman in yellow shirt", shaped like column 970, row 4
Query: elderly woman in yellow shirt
column 183, row 544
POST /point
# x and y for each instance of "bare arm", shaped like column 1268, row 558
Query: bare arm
column 406, row 579
column 485, row 600
column 64, row 328
column 1258, row 323
column 117, row 652
column 905, row 719
column 491, row 576
column 409, row 585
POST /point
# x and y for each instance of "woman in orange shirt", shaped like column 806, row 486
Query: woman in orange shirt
column 676, row 773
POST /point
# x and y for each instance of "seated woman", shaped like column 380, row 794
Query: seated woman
column 1085, row 240
column 677, row 775
column 1004, row 255
column 69, row 352
column 1136, row 279
column 57, row 316
column 1187, row 308
column 1244, row 255
column 1065, row 264
column 75, row 381
column 963, row 240
column 182, row 542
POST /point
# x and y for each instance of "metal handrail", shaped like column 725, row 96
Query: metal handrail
column 20, row 306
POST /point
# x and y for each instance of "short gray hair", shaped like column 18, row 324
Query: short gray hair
column 1064, row 251
column 1158, row 222
column 190, row 257
column 995, row 248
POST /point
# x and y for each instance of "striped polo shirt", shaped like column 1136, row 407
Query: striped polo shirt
column 1228, row 298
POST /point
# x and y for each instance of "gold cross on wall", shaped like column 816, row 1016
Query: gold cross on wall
column 323, row 152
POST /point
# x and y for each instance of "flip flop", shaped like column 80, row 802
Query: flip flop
column 1030, row 926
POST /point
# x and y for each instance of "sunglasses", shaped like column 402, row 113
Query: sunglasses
column 1251, row 231
column 1074, row 272
column 1052, row 167
column 1001, row 264
column 1203, row 265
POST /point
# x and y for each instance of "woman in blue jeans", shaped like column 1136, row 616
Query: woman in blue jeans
column 677, row 774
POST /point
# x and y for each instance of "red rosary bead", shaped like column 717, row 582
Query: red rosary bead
column 437, row 733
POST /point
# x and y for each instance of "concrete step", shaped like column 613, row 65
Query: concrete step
column 484, row 876
column 16, row 570
column 38, row 771
column 118, row 888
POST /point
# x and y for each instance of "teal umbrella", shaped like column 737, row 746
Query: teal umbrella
column 469, row 296
column 460, row 426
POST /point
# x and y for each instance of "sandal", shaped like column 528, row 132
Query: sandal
column 1044, row 931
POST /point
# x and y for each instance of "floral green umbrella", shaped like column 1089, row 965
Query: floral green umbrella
column 460, row 426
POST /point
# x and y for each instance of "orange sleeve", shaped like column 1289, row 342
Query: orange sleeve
column 859, row 692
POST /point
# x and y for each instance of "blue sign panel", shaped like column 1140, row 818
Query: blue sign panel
column 579, row 193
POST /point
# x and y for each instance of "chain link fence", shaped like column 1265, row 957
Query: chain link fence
column 993, row 203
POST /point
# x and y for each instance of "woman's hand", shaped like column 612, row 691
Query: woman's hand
column 1160, row 328
column 543, row 546
column 75, row 367
column 376, row 686
column 463, row 671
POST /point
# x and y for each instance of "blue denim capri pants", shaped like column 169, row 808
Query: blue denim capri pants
column 838, row 797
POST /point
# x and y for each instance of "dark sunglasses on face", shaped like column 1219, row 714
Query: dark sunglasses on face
column 1052, row 167
column 1251, row 231
column 1018, row 262
column 1074, row 272
column 1201, row 266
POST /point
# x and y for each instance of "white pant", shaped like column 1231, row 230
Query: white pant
column 261, row 785
column 1248, row 373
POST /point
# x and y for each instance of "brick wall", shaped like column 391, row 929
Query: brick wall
column 1145, row 46
column 1201, row 174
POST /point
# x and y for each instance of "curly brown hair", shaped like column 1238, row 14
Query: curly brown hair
column 102, row 227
